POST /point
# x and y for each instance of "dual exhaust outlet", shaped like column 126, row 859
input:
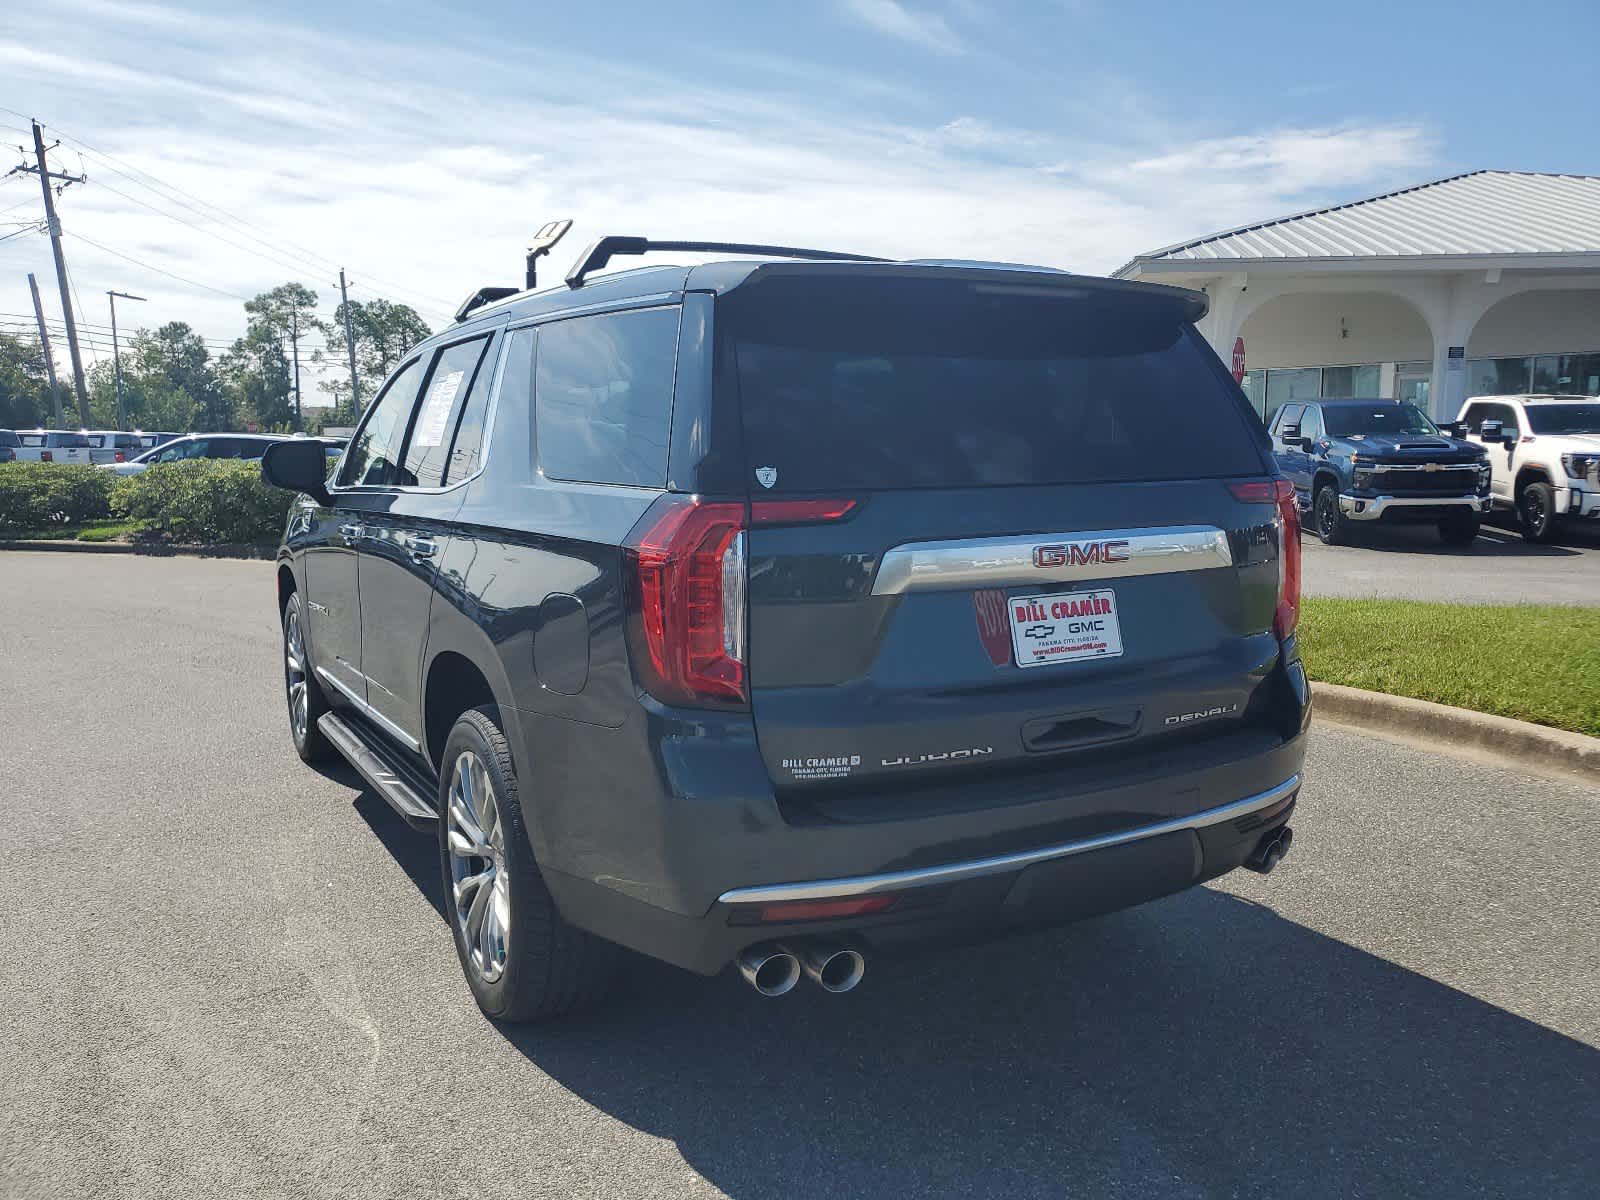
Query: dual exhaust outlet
column 774, row 969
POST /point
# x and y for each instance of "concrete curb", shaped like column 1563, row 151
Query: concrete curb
column 1517, row 742
column 152, row 550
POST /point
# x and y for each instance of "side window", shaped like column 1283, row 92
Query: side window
column 1288, row 414
column 603, row 395
column 1473, row 418
column 448, row 388
column 1311, row 423
column 223, row 447
column 374, row 453
column 1508, row 417
column 467, row 448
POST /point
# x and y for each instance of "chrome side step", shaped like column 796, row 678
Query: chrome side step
column 385, row 779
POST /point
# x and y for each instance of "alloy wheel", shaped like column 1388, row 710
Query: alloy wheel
column 294, row 655
column 479, row 886
column 1534, row 513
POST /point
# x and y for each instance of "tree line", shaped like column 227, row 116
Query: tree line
column 172, row 381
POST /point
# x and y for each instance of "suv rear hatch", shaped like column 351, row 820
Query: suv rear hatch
column 999, row 521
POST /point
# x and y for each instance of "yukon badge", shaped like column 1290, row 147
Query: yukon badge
column 1080, row 554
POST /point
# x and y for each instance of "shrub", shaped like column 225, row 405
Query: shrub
column 34, row 496
column 204, row 501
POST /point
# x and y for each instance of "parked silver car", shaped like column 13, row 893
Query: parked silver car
column 249, row 446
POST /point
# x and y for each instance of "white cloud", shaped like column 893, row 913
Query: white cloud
column 894, row 19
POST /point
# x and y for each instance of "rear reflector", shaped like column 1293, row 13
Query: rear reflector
column 1255, row 491
column 46, row 456
column 823, row 910
column 800, row 512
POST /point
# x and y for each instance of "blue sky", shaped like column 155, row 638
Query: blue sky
column 419, row 146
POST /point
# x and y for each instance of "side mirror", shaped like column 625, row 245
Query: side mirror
column 297, row 466
column 1290, row 432
column 1490, row 431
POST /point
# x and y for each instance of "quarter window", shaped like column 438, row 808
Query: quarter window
column 449, row 386
column 603, row 395
column 374, row 456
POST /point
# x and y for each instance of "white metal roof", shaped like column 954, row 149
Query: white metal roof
column 1493, row 213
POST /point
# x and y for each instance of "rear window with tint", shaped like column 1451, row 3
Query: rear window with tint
column 7, row 438
column 71, row 441
column 892, row 383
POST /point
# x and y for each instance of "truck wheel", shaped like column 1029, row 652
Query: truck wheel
column 1333, row 527
column 300, row 686
column 1459, row 529
column 1536, row 512
column 522, row 960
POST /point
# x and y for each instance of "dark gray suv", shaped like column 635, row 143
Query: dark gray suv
column 791, row 608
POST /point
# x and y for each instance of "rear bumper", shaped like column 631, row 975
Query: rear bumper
column 963, row 901
column 1419, row 508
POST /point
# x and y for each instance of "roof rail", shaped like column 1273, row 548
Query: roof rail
column 484, row 295
column 602, row 252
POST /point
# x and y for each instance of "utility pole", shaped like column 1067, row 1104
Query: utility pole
column 44, row 340
column 53, row 223
column 294, row 341
column 350, row 345
column 116, row 355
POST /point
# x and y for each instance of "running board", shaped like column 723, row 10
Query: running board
column 384, row 775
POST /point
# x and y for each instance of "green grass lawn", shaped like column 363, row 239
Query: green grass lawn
column 1532, row 662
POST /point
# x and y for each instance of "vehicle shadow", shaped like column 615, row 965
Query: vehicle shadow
column 1491, row 542
column 1201, row 1045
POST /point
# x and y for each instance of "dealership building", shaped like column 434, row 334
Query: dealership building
column 1480, row 284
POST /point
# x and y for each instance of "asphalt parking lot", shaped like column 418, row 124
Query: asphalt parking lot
column 225, row 974
column 1410, row 563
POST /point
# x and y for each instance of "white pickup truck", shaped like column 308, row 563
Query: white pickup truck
column 52, row 446
column 1545, row 456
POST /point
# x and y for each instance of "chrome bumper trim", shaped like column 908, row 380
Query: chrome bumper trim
column 1374, row 507
column 993, row 562
column 894, row 881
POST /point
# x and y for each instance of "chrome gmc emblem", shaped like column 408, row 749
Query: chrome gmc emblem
column 1080, row 554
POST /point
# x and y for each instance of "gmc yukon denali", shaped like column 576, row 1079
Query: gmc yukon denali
column 797, row 607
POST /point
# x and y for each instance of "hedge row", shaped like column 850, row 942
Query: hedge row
column 200, row 501
column 35, row 496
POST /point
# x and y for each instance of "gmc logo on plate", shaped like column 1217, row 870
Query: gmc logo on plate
column 1080, row 554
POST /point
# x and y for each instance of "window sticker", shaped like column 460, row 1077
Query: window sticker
column 436, row 409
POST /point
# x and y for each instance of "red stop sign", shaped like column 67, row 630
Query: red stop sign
column 1238, row 360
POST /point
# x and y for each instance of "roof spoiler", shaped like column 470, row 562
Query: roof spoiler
column 603, row 251
column 543, row 242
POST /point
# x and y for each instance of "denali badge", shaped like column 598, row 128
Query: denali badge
column 1079, row 554
column 1221, row 710
column 917, row 760
column 766, row 476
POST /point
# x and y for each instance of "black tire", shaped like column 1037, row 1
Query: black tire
column 1332, row 526
column 1536, row 512
column 537, row 966
column 309, row 743
column 1459, row 529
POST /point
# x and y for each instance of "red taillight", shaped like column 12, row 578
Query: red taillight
column 1288, row 614
column 1281, row 493
column 686, row 569
column 46, row 456
column 120, row 457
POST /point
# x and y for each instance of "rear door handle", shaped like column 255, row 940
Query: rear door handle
column 421, row 548
column 353, row 532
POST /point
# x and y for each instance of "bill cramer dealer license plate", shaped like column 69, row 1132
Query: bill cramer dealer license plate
column 1064, row 627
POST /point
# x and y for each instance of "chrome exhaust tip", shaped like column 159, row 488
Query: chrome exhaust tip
column 835, row 969
column 771, row 969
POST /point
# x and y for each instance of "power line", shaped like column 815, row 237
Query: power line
column 159, row 271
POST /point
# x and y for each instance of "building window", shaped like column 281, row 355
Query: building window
column 1344, row 383
column 1301, row 383
column 1497, row 376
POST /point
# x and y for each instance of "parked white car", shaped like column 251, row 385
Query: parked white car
column 52, row 446
column 113, row 445
column 1545, row 455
